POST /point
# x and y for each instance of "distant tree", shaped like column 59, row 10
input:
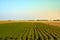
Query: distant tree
column 9, row 20
column 38, row 20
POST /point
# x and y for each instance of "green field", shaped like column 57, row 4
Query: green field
column 29, row 31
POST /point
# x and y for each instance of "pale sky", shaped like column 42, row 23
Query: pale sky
column 29, row 9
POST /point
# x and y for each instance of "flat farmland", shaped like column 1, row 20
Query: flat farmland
column 29, row 31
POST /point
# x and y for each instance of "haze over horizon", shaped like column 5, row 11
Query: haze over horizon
column 29, row 9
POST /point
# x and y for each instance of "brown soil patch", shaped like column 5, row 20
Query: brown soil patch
column 55, row 23
column 4, row 22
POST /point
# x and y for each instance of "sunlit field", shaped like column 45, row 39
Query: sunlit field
column 28, row 31
column 55, row 23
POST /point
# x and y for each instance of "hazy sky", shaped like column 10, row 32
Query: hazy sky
column 29, row 9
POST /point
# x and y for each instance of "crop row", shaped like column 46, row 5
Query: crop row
column 35, row 31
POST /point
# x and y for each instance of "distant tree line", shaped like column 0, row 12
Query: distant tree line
column 41, row 20
column 56, row 20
